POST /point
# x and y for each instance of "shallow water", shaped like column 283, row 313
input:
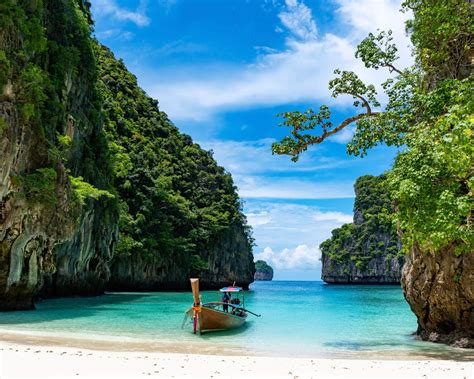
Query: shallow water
column 298, row 319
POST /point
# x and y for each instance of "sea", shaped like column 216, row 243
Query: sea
column 302, row 319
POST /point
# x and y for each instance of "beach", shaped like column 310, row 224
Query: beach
column 334, row 322
column 24, row 360
column 28, row 356
column 355, row 333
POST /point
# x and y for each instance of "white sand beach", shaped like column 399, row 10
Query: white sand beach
column 28, row 361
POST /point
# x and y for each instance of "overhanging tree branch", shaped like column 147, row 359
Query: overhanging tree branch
column 375, row 51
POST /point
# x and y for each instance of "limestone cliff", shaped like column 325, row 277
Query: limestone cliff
column 440, row 290
column 50, row 135
column 226, row 261
column 367, row 250
column 180, row 212
column 92, row 170
column 263, row 271
column 436, row 220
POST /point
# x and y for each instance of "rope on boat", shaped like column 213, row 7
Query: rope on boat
column 184, row 320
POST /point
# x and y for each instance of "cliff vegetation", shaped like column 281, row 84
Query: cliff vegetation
column 367, row 250
column 429, row 115
column 180, row 214
column 263, row 271
column 97, row 187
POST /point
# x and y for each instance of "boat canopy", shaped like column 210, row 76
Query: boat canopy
column 231, row 289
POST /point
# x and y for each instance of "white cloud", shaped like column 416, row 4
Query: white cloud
column 256, row 219
column 332, row 216
column 302, row 257
column 180, row 46
column 115, row 33
column 259, row 174
column 110, row 8
column 297, row 18
column 167, row 4
column 255, row 157
column 277, row 224
column 299, row 73
column 344, row 136
column 265, row 187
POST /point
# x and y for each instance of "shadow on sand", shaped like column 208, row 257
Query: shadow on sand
column 389, row 350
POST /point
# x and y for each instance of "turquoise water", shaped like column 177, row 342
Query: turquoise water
column 297, row 318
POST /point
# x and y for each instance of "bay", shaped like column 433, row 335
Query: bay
column 297, row 319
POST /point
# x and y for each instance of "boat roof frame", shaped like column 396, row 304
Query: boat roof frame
column 231, row 289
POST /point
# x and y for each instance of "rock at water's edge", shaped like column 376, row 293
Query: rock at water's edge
column 366, row 251
column 263, row 271
column 439, row 287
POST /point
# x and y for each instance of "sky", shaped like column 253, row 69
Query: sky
column 223, row 69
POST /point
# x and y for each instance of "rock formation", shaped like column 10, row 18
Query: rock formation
column 183, row 217
column 49, row 96
column 440, row 290
column 97, row 186
column 367, row 250
column 227, row 260
column 263, row 271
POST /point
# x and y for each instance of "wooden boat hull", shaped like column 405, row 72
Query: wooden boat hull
column 210, row 319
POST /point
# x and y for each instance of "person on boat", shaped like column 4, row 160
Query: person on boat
column 225, row 300
column 235, row 301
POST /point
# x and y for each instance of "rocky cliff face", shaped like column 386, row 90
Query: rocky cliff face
column 366, row 251
column 440, row 290
column 180, row 212
column 90, row 167
column 226, row 258
column 48, row 97
column 263, row 271
column 82, row 262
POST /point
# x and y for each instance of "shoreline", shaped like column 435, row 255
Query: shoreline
column 22, row 360
column 121, row 344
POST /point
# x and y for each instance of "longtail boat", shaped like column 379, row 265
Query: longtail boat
column 217, row 315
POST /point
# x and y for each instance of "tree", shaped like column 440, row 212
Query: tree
column 429, row 112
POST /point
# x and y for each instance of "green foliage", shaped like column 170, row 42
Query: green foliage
column 377, row 51
column 428, row 113
column 347, row 82
column 5, row 69
column 64, row 142
column 197, row 263
column 83, row 190
column 432, row 179
column 262, row 266
column 3, row 125
column 442, row 32
column 39, row 187
column 302, row 124
column 31, row 83
column 174, row 199
column 46, row 53
column 374, row 236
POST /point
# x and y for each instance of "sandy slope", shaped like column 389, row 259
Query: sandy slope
column 18, row 360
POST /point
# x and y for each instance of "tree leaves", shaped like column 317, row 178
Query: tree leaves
column 429, row 112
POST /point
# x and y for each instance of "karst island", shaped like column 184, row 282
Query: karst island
column 236, row 189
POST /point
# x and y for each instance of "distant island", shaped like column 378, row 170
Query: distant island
column 263, row 271
column 101, row 192
column 368, row 249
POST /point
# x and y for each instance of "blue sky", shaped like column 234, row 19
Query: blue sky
column 222, row 69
